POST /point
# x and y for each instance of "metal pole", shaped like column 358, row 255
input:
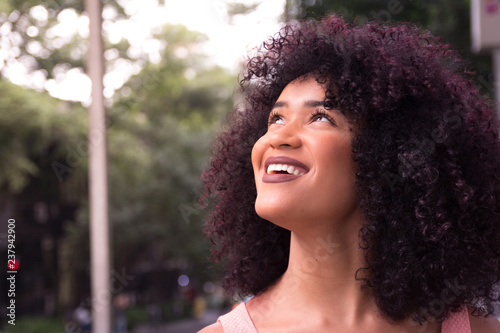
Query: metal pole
column 98, row 183
column 496, row 76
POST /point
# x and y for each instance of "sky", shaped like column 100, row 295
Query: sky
column 206, row 16
column 209, row 17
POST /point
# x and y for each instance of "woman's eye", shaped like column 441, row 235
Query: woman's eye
column 276, row 119
column 322, row 117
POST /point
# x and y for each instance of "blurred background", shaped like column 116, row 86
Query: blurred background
column 171, row 73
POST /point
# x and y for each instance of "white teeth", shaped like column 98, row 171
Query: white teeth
column 283, row 167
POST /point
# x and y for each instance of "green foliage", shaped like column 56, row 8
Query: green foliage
column 137, row 315
column 36, row 325
column 34, row 126
column 238, row 8
column 28, row 29
column 158, row 141
column 160, row 126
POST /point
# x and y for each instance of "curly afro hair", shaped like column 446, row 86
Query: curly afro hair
column 427, row 156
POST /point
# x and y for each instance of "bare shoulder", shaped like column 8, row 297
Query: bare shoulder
column 214, row 328
column 484, row 324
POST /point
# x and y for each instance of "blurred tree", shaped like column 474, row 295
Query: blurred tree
column 160, row 125
column 160, row 130
column 35, row 127
column 239, row 8
column 450, row 20
column 42, row 182
column 31, row 34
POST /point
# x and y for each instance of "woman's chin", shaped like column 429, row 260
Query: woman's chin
column 276, row 214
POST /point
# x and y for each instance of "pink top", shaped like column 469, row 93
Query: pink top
column 239, row 321
column 457, row 322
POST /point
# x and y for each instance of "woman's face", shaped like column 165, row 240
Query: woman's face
column 303, row 166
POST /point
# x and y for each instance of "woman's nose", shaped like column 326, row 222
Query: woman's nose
column 286, row 136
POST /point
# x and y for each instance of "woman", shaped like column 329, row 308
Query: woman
column 358, row 188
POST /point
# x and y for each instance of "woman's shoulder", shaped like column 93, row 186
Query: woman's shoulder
column 484, row 324
column 237, row 319
column 214, row 328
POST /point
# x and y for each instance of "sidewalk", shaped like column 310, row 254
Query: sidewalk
column 181, row 326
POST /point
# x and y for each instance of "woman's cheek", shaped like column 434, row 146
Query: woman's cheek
column 258, row 153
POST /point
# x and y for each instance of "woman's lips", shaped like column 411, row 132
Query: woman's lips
column 280, row 169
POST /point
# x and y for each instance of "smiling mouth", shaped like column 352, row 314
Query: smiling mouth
column 275, row 169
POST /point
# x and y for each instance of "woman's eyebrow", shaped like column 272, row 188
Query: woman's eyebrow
column 314, row 103
column 280, row 104
column 307, row 104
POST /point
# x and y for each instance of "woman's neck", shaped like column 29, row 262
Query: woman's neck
column 319, row 290
column 320, row 282
column 321, row 273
